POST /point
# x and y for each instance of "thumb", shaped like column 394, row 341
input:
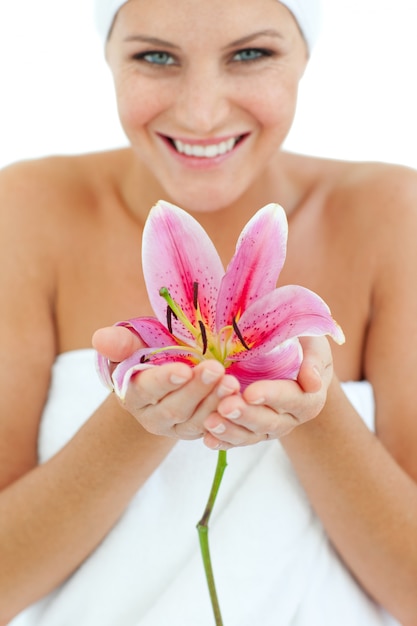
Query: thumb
column 116, row 343
column 317, row 365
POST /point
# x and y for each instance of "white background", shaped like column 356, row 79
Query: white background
column 358, row 99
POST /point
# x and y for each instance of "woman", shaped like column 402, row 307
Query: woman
column 97, row 501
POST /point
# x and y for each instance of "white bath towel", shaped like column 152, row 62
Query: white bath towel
column 273, row 563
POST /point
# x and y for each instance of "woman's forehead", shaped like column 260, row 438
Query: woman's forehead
column 306, row 12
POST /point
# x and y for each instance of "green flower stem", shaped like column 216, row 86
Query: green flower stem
column 202, row 528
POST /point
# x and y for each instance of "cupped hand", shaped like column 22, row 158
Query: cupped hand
column 175, row 400
column 172, row 399
column 271, row 409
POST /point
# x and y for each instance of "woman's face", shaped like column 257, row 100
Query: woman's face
column 206, row 91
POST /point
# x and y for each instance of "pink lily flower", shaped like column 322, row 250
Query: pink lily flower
column 237, row 316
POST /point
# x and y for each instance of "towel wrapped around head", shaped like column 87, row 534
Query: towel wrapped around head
column 306, row 13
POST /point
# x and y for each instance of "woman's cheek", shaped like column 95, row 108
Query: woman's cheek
column 276, row 106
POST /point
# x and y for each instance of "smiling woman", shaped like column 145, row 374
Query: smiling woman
column 341, row 124
column 99, row 491
column 170, row 90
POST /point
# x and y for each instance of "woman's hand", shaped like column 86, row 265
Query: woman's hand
column 177, row 401
column 173, row 399
column 270, row 409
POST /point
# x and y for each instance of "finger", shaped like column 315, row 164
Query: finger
column 286, row 397
column 223, row 434
column 251, row 424
column 186, row 409
column 152, row 385
column 227, row 385
column 317, row 364
column 116, row 343
column 165, row 405
column 272, row 407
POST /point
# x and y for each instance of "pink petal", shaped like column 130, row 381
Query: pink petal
column 176, row 254
column 286, row 312
column 281, row 363
column 144, row 359
column 256, row 265
column 150, row 331
column 103, row 370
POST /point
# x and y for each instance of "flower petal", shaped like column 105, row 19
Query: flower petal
column 150, row 331
column 281, row 363
column 103, row 370
column 256, row 264
column 286, row 312
column 177, row 253
column 144, row 359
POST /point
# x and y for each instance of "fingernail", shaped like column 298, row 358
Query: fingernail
column 218, row 430
column 258, row 401
column 223, row 391
column 233, row 415
column 177, row 380
column 208, row 376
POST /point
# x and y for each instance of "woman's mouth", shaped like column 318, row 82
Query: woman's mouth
column 204, row 149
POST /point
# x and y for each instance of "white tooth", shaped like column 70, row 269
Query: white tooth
column 230, row 143
column 197, row 151
column 188, row 149
column 223, row 147
column 211, row 151
column 179, row 145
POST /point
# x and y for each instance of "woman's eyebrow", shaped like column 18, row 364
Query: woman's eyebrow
column 269, row 32
column 155, row 41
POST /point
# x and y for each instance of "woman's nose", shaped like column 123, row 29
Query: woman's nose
column 202, row 103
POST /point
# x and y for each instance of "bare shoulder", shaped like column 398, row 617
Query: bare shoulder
column 35, row 197
column 377, row 203
column 43, row 201
column 56, row 182
column 364, row 202
column 375, row 190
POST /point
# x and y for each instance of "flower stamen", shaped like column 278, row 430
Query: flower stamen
column 203, row 336
column 239, row 334
column 170, row 313
column 195, row 295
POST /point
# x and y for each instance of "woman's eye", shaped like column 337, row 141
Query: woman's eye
column 250, row 54
column 156, row 58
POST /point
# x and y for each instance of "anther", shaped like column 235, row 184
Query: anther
column 203, row 336
column 170, row 314
column 239, row 335
column 195, row 295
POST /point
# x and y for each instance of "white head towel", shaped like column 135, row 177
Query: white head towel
column 306, row 12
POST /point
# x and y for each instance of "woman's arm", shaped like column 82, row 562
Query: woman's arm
column 366, row 501
column 54, row 515
column 51, row 517
column 362, row 486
